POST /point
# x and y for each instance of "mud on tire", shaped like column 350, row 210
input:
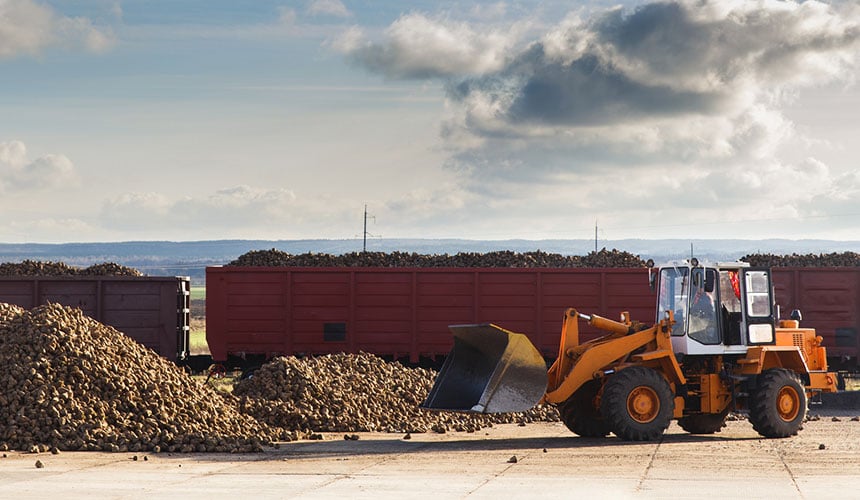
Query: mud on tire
column 638, row 404
column 778, row 404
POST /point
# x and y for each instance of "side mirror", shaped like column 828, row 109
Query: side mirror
column 652, row 275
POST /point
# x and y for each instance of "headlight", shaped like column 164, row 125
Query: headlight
column 761, row 334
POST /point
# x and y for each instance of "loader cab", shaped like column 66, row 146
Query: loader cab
column 718, row 309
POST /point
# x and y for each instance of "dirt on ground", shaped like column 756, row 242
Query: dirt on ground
column 506, row 461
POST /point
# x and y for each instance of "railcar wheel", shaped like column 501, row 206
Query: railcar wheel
column 778, row 404
column 637, row 403
column 581, row 412
column 216, row 371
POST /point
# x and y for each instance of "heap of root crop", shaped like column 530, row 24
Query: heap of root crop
column 71, row 383
column 356, row 393
column 504, row 259
column 40, row 268
column 833, row 259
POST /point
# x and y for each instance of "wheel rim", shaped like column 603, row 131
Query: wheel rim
column 787, row 403
column 643, row 404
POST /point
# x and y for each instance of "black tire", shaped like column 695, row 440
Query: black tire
column 638, row 404
column 778, row 404
column 581, row 414
column 705, row 423
column 249, row 372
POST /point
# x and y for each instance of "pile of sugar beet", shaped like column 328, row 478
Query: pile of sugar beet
column 48, row 268
column 508, row 259
column 71, row 383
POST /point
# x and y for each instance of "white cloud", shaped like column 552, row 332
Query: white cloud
column 431, row 208
column 136, row 210
column 348, row 41
column 334, row 8
column 48, row 172
column 27, row 27
column 417, row 46
column 491, row 11
column 227, row 210
column 239, row 205
column 116, row 10
column 252, row 212
column 48, row 229
column 80, row 31
column 13, row 154
column 287, row 16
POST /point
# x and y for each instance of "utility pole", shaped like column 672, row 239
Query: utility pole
column 365, row 233
column 595, row 236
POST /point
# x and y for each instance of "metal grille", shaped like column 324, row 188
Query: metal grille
column 797, row 339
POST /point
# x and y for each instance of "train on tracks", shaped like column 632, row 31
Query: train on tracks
column 255, row 313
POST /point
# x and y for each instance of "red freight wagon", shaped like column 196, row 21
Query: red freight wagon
column 828, row 298
column 259, row 312
column 152, row 310
column 403, row 312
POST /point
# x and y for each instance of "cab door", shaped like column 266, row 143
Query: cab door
column 757, row 306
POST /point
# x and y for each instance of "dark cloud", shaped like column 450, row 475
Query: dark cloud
column 665, row 38
column 588, row 92
column 661, row 60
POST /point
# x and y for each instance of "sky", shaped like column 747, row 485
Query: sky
column 259, row 119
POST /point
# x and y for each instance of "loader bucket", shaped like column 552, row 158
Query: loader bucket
column 489, row 370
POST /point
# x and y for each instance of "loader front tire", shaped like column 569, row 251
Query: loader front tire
column 778, row 404
column 637, row 403
column 581, row 412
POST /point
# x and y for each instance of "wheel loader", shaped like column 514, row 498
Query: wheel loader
column 717, row 345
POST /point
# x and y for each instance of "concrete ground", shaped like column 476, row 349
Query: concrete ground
column 821, row 462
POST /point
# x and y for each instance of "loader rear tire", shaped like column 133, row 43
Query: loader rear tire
column 637, row 403
column 581, row 412
column 778, row 404
column 706, row 423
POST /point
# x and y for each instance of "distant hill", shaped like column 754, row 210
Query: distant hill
column 190, row 258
